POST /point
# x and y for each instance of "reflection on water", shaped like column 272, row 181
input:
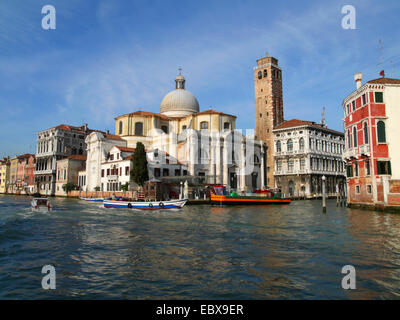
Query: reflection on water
column 199, row 252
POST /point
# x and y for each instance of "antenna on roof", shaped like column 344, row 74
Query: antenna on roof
column 323, row 120
column 380, row 53
column 180, row 71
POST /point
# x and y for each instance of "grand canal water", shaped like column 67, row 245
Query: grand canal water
column 199, row 252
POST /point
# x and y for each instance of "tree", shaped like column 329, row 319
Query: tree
column 139, row 172
column 69, row 186
column 97, row 189
column 125, row 187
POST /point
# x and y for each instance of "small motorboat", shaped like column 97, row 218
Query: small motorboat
column 220, row 196
column 143, row 205
column 92, row 199
column 40, row 204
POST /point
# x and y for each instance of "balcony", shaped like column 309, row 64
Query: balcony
column 364, row 150
column 350, row 153
column 113, row 178
column 48, row 171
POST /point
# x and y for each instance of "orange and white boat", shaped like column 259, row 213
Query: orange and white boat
column 220, row 196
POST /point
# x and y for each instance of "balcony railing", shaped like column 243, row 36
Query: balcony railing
column 364, row 150
column 350, row 153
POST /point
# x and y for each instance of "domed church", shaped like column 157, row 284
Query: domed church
column 206, row 142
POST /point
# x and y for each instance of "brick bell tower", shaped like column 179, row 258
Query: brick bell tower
column 269, row 107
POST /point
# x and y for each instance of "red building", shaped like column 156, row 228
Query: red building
column 25, row 173
column 372, row 143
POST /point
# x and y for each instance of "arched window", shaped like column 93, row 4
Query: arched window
column 290, row 145
column 354, row 136
column 381, row 132
column 164, row 129
column 184, row 127
column 204, row 125
column 259, row 75
column 301, row 144
column 278, row 146
column 348, row 139
column 120, row 127
column 265, row 73
column 138, row 128
column 366, row 140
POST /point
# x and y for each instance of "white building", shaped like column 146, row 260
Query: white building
column 115, row 172
column 305, row 152
column 206, row 142
column 98, row 148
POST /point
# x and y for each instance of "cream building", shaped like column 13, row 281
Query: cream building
column 206, row 142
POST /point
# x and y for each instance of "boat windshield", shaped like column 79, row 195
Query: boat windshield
column 41, row 202
column 220, row 190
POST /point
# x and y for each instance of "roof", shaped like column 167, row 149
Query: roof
column 77, row 157
column 25, row 156
column 111, row 136
column 210, row 111
column 300, row 123
column 145, row 114
column 125, row 149
column 385, row 81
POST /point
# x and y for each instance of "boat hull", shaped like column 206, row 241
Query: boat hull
column 153, row 205
column 92, row 199
column 230, row 200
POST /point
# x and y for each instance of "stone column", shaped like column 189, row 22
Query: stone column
column 225, row 180
column 218, row 160
column 243, row 166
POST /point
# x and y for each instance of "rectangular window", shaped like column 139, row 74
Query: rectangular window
column 108, row 173
column 127, row 171
column 290, row 166
column 111, row 157
column 279, row 165
column 177, row 172
column 378, row 97
column 357, row 189
column 156, row 172
column 165, row 172
column 349, row 171
column 356, row 169
column 354, row 105
column 369, row 188
column 367, row 168
column 364, row 99
column 102, row 173
column 384, row 167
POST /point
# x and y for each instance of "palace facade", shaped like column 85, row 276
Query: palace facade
column 306, row 151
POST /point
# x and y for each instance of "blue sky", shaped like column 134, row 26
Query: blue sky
column 111, row 57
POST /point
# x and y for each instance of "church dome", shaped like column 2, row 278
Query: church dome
column 179, row 102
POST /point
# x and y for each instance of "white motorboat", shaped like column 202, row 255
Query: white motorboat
column 41, row 204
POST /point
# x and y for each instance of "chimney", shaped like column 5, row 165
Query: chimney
column 358, row 79
column 85, row 127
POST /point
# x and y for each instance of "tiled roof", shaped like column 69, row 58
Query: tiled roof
column 210, row 111
column 77, row 157
column 385, row 81
column 298, row 123
column 111, row 136
column 126, row 149
column 145, row 114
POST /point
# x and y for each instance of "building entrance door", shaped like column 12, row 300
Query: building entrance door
column 233, row 180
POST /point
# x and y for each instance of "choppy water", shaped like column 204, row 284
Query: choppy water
column 199, row 252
